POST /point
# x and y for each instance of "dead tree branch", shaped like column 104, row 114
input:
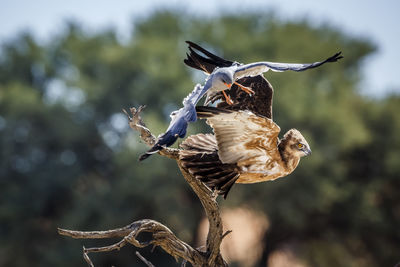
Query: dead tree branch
column 149, row 264
column 161, row 235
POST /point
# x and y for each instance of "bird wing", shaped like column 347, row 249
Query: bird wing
column 197, row 93
column 260, row 103
column 206, row 63
column 179, row 122
column 241, row 135
column 257, row 68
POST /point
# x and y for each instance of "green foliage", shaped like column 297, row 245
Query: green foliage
column 68, row 159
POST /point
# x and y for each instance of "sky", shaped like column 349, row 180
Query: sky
column 377, row 21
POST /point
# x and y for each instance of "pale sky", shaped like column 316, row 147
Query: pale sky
column 376, row 20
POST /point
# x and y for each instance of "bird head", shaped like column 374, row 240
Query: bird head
column 296, row 144
column 223, row 78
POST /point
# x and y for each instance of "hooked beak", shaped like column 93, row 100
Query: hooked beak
column 228, row 85
column 307, row 151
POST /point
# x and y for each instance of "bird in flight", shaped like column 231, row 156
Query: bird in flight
column 222, row 77
column 245, row 148
column 260, row 103
column 225, row 75
column 200, row 154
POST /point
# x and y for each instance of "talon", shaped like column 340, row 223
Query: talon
column 248, row 90
column 227, row 99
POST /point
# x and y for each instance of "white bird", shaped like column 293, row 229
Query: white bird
column 222, row 78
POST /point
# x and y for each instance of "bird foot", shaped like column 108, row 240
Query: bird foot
column 248, row 90
column 227, row 99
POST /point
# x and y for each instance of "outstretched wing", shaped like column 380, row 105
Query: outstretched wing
column 199, row 155
column 257, row 68
column 260, row 103
column 206, row 64
column 242, row 136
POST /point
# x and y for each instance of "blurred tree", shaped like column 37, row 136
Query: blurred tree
column 68, row 159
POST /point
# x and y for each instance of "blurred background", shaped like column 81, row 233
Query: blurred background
column 68, row 158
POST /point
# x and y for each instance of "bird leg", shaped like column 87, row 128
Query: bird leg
column 227, row 98
column 244, row 88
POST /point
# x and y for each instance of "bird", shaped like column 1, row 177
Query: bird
column 229, row 74
column 260, row 103
column 180, row 118
column 245, row 148
column 221, row 78
column 178, row 124
column 199, row 154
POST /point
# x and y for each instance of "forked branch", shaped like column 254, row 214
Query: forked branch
column 161, row 235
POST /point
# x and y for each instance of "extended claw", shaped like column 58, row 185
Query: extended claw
column 244, row 88
column 227, row 98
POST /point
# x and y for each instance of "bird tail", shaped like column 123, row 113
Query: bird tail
column 165, row 140
column 206, row 63
column 200, row 157
column 154, row 149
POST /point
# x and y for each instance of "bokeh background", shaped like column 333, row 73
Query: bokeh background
column 68, row 158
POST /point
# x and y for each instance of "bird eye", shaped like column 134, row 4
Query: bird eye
column 299, row 145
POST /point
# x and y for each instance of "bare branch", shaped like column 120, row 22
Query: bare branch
column 148, row 263
column 161, row 235
column 137, row 124
column 206, row 196
column 86, row 257
column 226, row 233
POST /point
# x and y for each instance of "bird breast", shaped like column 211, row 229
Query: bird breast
column 255, row 172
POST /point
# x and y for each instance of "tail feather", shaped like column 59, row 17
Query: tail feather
column 200, row 158
column 165, row 140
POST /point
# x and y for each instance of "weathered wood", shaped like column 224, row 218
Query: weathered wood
column 161, row 235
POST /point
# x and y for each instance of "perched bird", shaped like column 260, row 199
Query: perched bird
column 229, row 74
column 245, row 148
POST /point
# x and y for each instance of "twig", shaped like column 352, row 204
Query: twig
column 86, row 257
column 137, row 124
column 226, row 233
column 148, row 263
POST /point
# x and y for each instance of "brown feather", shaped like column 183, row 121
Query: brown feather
column 260, row 103
column 200, row 158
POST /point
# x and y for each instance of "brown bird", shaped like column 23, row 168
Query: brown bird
column 245, row 149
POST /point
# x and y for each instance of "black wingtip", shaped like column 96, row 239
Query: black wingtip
column 150, row 152
column 335, row 57
column 144, row 156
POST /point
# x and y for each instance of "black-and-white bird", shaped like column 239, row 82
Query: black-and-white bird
column 227, row 75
